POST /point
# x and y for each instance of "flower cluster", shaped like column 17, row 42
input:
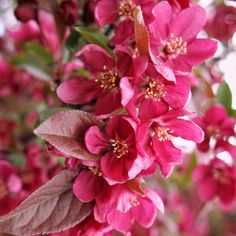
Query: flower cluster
column 140, row 97
column 117, row 76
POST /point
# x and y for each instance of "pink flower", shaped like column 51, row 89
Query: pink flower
column 217, row 125
column 216, row 179
column 222, row 25
column 173, row 37
column 155, row 138
column 116, row 144
column 120, row 206
column 153, row 94
column 69, row 11
column 104, row 80
column 89, row 184
column 109, row 11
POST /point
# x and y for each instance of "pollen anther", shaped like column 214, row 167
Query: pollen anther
column 175, row 46
column 120, row 148
column 155, row 90
column 95, row 170
column 163, row 134
column 127, row 8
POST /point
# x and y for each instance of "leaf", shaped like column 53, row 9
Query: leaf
column 51, row 208
column 47, row 113
column 36, row 60
column 65, row 131
column 141, row 33
column 136, row 187
column 95, row 37
column 224, row 96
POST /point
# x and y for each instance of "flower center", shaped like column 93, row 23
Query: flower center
column 175, row 46
column 155, row 90
column 120, row 148
column 108, row 80
column 95, row 170
column 127, row 8
column 163, row 134
column 3, row 191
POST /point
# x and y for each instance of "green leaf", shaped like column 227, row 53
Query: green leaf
column 224, row 96
column 95, row 37
column 36, row 60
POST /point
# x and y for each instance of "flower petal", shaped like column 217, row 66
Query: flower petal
column 96, row 141
column 106, row 12
column 95, row 58
column 188, row 23
column 77, row 91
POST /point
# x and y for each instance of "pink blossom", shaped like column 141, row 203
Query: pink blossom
column 222, row 24
column 120, row 206
column 69, row 11
column 173, row 37
column 216, row 179
column 153, row 94
column 109, row 11
column 116, row 144
column 217, row 125
column 155, row 138
column 104, row 80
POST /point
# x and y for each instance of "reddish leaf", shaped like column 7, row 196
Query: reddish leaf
column 51, row 208
column 136, row 187
column 65, row 131
column 141, row 33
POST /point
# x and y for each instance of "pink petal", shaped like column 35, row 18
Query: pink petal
column 108, row 102
column 95, row 58
column 123, row 33
column 116, row 168
column 77, row 91
column 199, row 51
column 207, row 189
column 144, row 213
column 166, row 72
column 226, row 192
column 124, row 62
column 186, row 129
column 127, row 91
column 87, row 186
column 200, row 173
column 150, row 109
column 188, row 23
column 155, row 198
column 96, row 141
column 177, row 95
column 163, row 15
column 106, row 12
column 166, row 152
column 215, row 115
column 120, row 221
column 140, row 65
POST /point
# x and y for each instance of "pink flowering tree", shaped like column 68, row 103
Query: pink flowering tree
column 116, row 118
